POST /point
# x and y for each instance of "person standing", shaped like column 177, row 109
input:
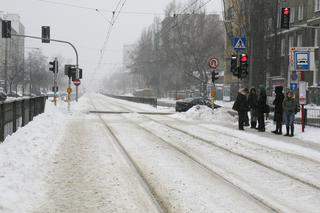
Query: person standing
column 241, row 106
column 262, row 108
column 289, row 108
column 253, row 105
column 278, row 111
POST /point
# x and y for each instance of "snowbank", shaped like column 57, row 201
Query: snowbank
column 204, row 113
column 25, row 156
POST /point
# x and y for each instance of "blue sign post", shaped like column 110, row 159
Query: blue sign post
column 239, row 43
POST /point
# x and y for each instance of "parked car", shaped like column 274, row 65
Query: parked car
column 185, row 104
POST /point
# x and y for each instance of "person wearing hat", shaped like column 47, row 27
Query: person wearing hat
column 278, row 111
column 290, row 107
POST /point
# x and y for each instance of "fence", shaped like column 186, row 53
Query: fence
column 144, row 100
column 18, row 113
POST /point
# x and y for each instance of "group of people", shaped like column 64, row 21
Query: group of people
column 255, row 102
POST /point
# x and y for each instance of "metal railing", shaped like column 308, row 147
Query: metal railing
column 144, row 100
column 19, row 112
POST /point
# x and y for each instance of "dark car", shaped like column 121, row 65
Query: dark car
column 3, row 96
column 186, row 104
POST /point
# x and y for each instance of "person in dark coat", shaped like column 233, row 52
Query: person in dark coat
column 278, row 111
column 253, row 106
column 262, row 108
column 289, row 109
column 241, row 106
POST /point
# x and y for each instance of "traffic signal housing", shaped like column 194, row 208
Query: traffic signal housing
column 243, row 68
column 234, row 63
column 214, row 76
column 6, row 29
column 45, row 34
column 53, row 66
column 285, row 18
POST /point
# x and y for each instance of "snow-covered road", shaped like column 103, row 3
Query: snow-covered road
column 106, row 161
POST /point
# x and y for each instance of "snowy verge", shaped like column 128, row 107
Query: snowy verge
column 25, row 156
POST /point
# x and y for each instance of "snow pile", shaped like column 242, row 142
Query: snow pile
column 24, row 160
column 204, row 113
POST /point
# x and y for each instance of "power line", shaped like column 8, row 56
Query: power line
column 101, row 9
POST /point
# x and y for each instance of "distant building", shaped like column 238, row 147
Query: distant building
column 14, row 49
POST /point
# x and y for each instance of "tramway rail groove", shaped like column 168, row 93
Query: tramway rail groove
column 230, row 151
column 148, row 188
column 251, row 195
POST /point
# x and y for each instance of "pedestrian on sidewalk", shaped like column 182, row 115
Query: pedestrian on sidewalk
column 241, row 106
column 290, row 107
column 253, row 106
column 262, row 108
column 278, row 110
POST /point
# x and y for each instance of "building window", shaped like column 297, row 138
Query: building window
column 300, row 12
column 279, row 19
column 317, row 5
column 268, row 53
column 270, row 23
column 283, row 47
column 299, row 41
column 291, row 40
column 292, row 14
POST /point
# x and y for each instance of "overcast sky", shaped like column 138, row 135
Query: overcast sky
column 86, row 28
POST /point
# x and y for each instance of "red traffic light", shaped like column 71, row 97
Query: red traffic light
column 286, row 11
column 244, row 58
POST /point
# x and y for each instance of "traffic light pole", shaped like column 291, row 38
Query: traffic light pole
column 59, row 41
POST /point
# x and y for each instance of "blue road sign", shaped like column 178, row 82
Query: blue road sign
column 302, row 61
column 240, row 43
column 293, row 86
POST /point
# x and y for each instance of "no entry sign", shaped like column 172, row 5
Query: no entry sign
column 77, row 82
column 213, row 63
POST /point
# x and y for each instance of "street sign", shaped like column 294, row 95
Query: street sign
column 69, row 90
column 76, row 82
column 213, row 63
column 239, row 43
column 301, row 59
column 302, row 92
column 294, row 86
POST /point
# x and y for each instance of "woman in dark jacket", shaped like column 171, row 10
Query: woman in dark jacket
column 253, row 105
column 241, row 106
column 278, row 112
column 262, row 108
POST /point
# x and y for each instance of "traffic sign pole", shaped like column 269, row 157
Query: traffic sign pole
column 302, row 108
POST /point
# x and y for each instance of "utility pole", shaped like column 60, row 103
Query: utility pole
column 6, row 66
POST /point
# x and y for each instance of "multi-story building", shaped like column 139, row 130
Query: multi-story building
column 12, row 53
column 303, row 32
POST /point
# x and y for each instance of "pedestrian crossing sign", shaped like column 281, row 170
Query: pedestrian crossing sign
column 239, row 43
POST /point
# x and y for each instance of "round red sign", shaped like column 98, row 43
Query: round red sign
column 213, row 63
column 77, row 82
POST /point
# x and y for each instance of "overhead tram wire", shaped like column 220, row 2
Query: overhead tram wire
column 101, row 9
column 113, row 21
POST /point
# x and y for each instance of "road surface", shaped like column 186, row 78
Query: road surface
column 119, row 157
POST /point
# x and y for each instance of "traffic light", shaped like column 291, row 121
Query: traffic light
column 6, row 29
column 214, row 76
column 285, row 18
column 243, row 68
column 45, row 34
column 234, row 63
column 53, row 66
